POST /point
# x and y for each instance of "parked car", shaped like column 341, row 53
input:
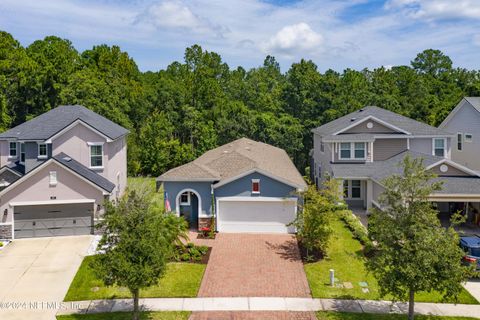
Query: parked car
column 471, row 246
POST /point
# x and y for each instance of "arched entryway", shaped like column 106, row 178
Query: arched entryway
column 189, row 205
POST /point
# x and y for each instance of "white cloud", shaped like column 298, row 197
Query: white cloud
column 177, row 15
column 437, row 9
column 294, row 38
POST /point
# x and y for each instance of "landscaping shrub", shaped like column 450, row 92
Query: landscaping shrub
column 358, row 230
column 1, row 244
column 189, row 253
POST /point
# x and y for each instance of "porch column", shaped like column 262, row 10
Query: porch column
column 369, row 194
column 340, row 187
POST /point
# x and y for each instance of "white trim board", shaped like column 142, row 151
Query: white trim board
column 49, row 202
column 262, row 172
column 73, row 124
column 386, row 124
column 455, row 165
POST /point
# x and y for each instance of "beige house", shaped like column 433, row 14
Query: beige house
column 57, row 170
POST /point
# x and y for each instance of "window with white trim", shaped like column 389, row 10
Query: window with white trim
column 468, row 137
column 345, row 150
column 353, row 150
column 53, row 178
column 459, row 141
column 22, row 152
column 42, row 150
column 439, row 146
column 96, row 156
column 255, row 186
column 185, row 199
column 352, row 189
column 12, row 152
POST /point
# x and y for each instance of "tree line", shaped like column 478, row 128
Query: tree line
column 178, row 113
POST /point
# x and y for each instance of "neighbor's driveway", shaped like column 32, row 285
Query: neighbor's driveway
column 38, row 270
column 254, row 265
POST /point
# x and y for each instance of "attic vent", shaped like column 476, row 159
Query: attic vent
column 353, row 119
column 68, row 159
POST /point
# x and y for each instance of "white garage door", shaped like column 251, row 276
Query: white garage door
column 262, row 215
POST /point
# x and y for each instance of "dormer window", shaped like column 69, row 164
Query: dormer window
column 42, row 150
column 353, row 151
column 255, row 186
column 12, row 153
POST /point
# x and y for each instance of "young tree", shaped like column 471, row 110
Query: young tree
column 414, row 252
column 313, row 222
column 138, row 240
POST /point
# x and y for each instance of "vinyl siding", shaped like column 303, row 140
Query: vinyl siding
column 377, row 191
column 386, row 148
column 466, row 120
column 450, row 172
column 377, row 128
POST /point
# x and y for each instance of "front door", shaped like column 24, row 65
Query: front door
column 189, row 209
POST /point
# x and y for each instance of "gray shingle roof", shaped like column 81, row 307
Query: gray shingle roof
column 235, row 158
column 85, row 172
column 48, row 124
column 474, row 101
column 412, row 126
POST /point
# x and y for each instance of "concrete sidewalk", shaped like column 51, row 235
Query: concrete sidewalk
column 268, row 304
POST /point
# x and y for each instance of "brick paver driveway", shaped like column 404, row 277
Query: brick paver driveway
column 254, row 265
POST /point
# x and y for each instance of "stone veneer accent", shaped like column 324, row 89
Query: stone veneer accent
column 6, row 231
column 204, row 222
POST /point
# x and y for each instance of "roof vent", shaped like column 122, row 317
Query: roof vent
column 247, row 148
column 68, row 159
column 353, row 119
column 361, row 110
column 225, row 151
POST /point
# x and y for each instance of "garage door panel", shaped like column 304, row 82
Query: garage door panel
column 256, row 216
column 53, row 220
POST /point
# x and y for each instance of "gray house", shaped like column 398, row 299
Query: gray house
column 366, row 146
column 57, row 170
column 464, row 123
column 247, row 186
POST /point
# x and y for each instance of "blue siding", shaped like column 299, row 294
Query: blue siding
column 202, row 188
column 243, row 187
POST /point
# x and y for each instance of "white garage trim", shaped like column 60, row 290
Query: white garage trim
column 291, row 200
column 40, row 203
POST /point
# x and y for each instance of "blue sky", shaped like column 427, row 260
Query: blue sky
column 335, row 34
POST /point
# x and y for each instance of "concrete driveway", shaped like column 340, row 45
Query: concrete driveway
column 35, row 275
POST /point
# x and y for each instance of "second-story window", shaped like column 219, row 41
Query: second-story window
column 96, row 156
column 352, row 151
column 439, row 147
column 42, row 150
column 459, row 141
column 12, row 153
column 22, row 152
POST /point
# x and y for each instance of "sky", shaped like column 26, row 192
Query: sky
column 335, row 34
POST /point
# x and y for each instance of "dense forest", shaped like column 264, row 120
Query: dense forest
column 178, row 113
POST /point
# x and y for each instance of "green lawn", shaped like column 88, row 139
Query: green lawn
column 128, row 316
column 365, row 316
column 180, row 280
column 346, row 258
column 148, row 182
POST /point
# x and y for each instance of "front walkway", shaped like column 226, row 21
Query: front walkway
column 254, row 265
column 301, row 308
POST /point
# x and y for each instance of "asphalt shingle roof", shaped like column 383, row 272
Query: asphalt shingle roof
column 412, row 126
column 235, row 158
column 85, row 172
column 379, row 170
column 474, row 101
column 48, row 124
